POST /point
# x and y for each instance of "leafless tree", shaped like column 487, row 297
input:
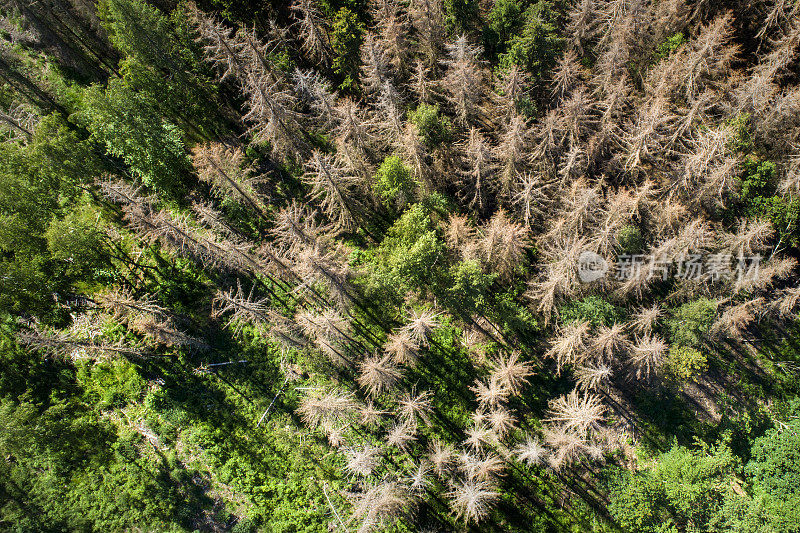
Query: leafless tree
column 363, row 461
column 328, row 409
column 464, row 79
column 223, row 168
column 577, row 413
column 511, row 153
column 645, row 319
column 503, row 244
column 647, row 356
column 531, row 451
column 413, row 405
column 472, row 500
column 421, row 325
column 476, row 172
column 402, row 348
column 490, row 393
column 593, row 377
column 315, row 91
column 312, row 29
column 378, row 375
column 427, row 17
column 380, row 505
column 569, row 347
column 402, row 434
column 510, row 372
column 512, row 85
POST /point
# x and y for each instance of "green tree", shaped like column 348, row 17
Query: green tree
column 684, row 491
column 393, row 182
column 162, row 60
column 130, row 126
column 691, row 322
column 346, row 35
column 433, row 128
column 536, row 47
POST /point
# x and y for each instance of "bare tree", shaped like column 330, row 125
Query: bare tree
column 648, row 356
column 421, row 325
column 413, row 405
column 328, row 409
column 569, row 347
column 333, row 188
column 531, row 451
column 593, row 377
column 577, row 413
column 378, row 375
column 363, row 461
column 510, row 372
column 476, row 172
column 464, row 79
column 312, row 29
column 472, row 500
column 223, row 168
column 380, row 505
column 402, row 348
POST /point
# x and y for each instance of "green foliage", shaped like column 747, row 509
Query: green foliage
column 163, row 61
column 78, row 240
column 672, row 43
column 130, row 126
column 684, row 362
column 433, row 128
column 460, row 15
column 110, row 384
column 407, row 255
column 393, row 181
column 595, row 309
column 37, row 182
column 691, row 322
column 469, row 287
column 759, row 199
column 537, row 45
column 346, row 36
column 683, row 491
column 774, row 472
column 505, row 18
column 630, row 239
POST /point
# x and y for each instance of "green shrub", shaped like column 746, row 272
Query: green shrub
column 672, row 43
column 691, row 322
column 683, row 491
column 758, row 198
column 630, row 239
column 346, row 36
column 596, row 310
column 538, row 45
column 684, row 362
column 469, row 286
column 393, row 182
column 433, row 128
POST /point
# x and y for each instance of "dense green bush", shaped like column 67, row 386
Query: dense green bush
column 683, row 491
column 759, row 199
column 691, row 322
column 346, row 36
column 393, row 182
column 594, row 309
column 433, row 128
column 684, row 362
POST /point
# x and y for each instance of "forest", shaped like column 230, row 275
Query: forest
column 400, row 265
